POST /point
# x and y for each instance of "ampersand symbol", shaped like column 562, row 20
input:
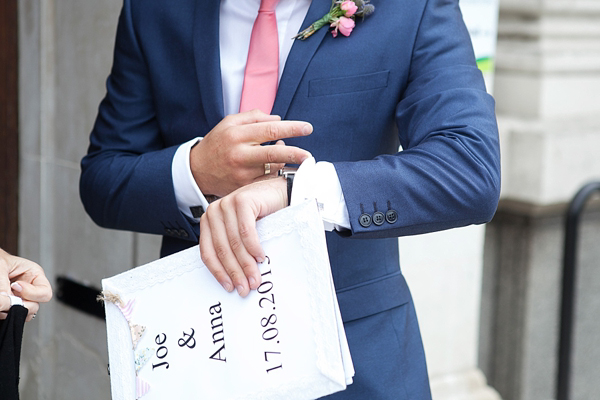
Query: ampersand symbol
column 189, row 342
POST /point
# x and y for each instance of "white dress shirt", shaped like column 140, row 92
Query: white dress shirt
column 313, row 180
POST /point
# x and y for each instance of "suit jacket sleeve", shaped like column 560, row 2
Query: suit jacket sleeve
column 448, row 174
column 126, row 178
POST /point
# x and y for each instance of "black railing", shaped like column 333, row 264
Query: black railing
column 568, row 287
column 79, row 296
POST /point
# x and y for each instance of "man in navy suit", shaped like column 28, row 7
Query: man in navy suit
column 405, row 76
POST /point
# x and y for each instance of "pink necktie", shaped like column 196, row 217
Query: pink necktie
column 262, row 67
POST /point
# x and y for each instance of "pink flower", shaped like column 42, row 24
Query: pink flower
column 345, row 26
column 349, row 7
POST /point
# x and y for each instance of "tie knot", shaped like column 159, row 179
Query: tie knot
column 267, row 5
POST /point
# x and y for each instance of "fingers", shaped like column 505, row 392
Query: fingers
column 246, row 225
column 4, row 304
column 4, row 282
column 279, row 151
column 224, row 251
column 275, row 154
column 222, row 245
column 229, row 242
column 5, row 269
column 231, row 155
column 32, row 309
column 209, row 255
column 271, row 131
column 251, row 117
column 29, row 281
column 237, row 262
column 273, row 167
column 39, row 290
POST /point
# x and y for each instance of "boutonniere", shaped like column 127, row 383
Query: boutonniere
column 340, row 17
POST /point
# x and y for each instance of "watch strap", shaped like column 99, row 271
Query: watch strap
column 288, row 173
column 290, row 183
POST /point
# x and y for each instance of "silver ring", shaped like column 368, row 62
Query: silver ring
column 267, row 168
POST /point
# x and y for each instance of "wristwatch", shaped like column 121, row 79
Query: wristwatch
column 288, row 173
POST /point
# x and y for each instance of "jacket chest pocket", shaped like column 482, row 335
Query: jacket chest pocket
column 348, row 84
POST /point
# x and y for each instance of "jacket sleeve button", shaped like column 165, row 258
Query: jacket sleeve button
column 378, row 218
column 391, row 216
column 365, row 220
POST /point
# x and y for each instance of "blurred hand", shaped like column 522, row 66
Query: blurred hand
column 25, row 279
column 229, row 241
column 231, row 156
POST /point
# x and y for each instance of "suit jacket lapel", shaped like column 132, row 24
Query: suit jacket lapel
column 207, row 57
column 299, row 58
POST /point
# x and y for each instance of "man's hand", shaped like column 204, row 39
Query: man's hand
column 231, row 156
column 23, row 278
column 229, row 241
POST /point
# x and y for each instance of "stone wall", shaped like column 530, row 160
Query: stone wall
column 547, row 89
column 65, row 56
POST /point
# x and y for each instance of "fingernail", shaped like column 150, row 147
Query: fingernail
column 226, row 286
column 260, row 259
column 251, row 281
column 240, row 289
column 307, row 129
column 16, row 286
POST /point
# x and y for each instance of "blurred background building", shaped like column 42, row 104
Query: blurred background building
column 487, row 297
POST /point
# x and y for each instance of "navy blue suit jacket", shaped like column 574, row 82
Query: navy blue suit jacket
column 405, row 76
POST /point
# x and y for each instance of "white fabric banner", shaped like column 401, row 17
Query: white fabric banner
column 174, row 332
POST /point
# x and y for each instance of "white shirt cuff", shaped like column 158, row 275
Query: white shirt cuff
column 320, row 181
column 187, row 192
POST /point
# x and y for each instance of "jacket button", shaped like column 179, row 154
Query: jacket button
column 378, row 218
column 365, row 220
column 391, row 216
